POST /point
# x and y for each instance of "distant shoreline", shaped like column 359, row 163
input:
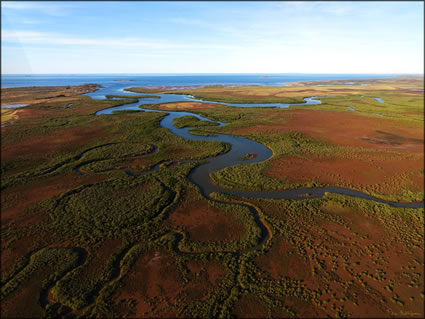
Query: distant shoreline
column 175, row 80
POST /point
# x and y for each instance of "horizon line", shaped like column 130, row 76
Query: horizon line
column 208, row 73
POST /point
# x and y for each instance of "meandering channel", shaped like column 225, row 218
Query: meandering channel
column 240, row 146
column 200, row 177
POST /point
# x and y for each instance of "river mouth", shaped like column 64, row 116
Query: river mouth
column 239, row 148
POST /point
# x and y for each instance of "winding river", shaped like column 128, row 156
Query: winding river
column 239, row 147
column 200, row 177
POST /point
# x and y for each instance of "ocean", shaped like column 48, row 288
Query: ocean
column 118, row 80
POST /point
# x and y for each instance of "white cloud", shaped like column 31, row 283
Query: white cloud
column 50, row 8
column 50, row 38
column 277, row 37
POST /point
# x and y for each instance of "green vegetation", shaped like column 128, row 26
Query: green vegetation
column 407, row 109
column 297, row 257
column 236, row 211
column 83, row 238
column 294, row 144
column 398, row 94
column 268, row 130
column 129, row 140
column 36, row 95
column 63, row 259
column 188, row 121
column 221, row 94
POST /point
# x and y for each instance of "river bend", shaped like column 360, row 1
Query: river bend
column 240, row 146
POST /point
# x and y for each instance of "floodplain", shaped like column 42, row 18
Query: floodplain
column 100, row 219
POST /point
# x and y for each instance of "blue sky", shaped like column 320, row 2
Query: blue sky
column 212, row 37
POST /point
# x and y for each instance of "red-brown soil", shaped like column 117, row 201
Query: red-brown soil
column 396, row 166
column 13, row 307
column 283, row 260
column 361, row 263
column 342, row 260
column 346, row 129
column 24, row 301
column 204, row 223
column 250, row 307
column 34, row 95
column 189, row 106
column 137, row 163
column 60, row 140
column 214, row 271
column 15, row 251
column 99, row 257
column 381, row 172
column 32, row 113
column 16, row 199
column 295, row 89
column 153, row 283
column 81, row 105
